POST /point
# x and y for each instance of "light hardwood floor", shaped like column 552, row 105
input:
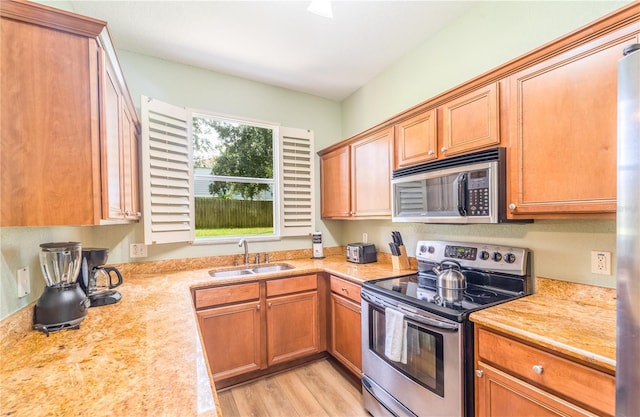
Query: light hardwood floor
column 315, row 389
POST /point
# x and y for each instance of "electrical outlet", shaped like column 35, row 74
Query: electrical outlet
column 601, row 262
column 365, row 237
column 138, row 250
column 24, row 283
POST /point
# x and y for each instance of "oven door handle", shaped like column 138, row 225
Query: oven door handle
column 427, row 321
column 410, row 314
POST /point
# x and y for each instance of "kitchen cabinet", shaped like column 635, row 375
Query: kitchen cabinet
column 53, row 136
column 346, row 328
column 355, row 178
column 230, row 325
column 251, row 329
column 293, row 329
column 468, row 123
column 515, row 378
column 120, row 151
column 562, row 132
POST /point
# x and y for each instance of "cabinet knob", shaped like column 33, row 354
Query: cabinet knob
column 538, row 369
column 343, row 289
column 128, row 213
column 443, row 149
column 258, row 307
column 431, row 152
column 479, row 373
column 269, row 305
column 512, row 206
column 139, row 214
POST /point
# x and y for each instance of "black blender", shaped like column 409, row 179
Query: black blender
column 63, row 304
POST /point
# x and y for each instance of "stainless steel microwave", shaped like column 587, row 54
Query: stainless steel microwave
column 463, row 189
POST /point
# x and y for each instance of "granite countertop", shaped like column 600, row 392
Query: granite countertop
column 141, row 356
column 574, row 320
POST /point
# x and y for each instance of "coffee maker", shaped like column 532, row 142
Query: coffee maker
column 97, row 280
column 63, row 304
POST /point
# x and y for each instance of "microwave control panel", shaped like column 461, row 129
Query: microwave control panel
column 478, row 193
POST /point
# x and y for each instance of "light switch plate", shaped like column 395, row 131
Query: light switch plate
column 24, row 283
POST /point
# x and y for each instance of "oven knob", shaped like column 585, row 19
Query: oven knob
column 509, row 258
column 422, row 249
column 497, row 256
column 484, row 255
column 431, row 249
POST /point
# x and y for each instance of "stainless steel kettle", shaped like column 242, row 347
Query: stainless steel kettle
column 450, row 282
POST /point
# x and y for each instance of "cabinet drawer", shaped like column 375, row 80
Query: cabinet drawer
column 227, row 294
column 574, row 381
column 290, row 285
column 345, row 289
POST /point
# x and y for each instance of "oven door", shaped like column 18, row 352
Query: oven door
column 431, row 381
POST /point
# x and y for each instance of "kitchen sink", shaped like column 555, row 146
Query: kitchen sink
column 271, row 268
column 230, row 273
column 250, row 270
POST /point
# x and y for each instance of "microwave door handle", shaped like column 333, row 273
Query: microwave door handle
column 462, row 194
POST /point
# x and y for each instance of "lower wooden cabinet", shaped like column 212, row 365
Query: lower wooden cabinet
column 517, row 379
column 345, row 324
column 292, row 317
column 239, row 350
column 253, row 326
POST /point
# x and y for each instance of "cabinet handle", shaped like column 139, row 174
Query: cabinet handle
column 538, row 369
column 512, row 206
column 431, row 152
column 443, row 149
column 479, row 373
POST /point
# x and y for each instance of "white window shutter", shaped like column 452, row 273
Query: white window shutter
column 297, row 217
column 167, row 176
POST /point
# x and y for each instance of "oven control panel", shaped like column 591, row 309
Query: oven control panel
column 488, row 257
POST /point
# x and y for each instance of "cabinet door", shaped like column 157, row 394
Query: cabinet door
column 292, row 327
column 562, row 129
column 499, row 394
column 371, row 169
column 335, row 183
column 346, row 333
column 130, row 191
column 416, row 139
column 231, row 337
column 471, row 122
column 112, row 198
column 49, row 146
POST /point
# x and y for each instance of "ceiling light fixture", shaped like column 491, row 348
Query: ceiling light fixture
column 321, row 8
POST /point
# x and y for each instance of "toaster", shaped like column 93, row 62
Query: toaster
column 361, row 253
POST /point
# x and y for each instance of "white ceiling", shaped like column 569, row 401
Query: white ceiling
column 278, row 42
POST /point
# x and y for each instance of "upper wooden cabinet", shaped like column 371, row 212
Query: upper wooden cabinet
column 57, row 134
column 416, row 139
column 562, row 129
column 467, row 123
column 355, row 178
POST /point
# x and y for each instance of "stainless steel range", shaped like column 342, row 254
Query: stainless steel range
column 417, row 340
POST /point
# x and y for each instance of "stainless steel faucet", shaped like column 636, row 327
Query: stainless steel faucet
column 243, row 242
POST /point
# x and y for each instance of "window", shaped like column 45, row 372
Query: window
column 234, row 182
column 206, row 177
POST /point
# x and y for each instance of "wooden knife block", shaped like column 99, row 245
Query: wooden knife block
column 402, row 261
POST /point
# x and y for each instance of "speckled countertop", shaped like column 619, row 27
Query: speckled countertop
column 577, row 321
column 139, row 357
column 142, row 356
